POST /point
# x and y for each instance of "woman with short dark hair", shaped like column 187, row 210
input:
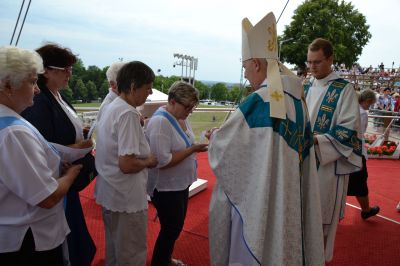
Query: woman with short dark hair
column 122, row 159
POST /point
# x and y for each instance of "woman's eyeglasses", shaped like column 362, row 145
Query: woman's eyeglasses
column 63, row 69
column 188, row 107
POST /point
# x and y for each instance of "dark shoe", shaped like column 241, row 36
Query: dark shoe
column 372, row 212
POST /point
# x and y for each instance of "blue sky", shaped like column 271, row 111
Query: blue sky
column 151, row 31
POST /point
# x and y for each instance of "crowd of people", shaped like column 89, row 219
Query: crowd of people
column 387, row 99
column 356, row 69
column 278, row 203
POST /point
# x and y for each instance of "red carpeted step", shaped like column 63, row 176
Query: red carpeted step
column 384, row 187
column 366, row 243
column 358, row 242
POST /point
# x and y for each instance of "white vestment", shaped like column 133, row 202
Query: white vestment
column 265, row 208
column 337, row 159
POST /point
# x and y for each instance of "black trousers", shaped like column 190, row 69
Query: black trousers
column 27, row 256
column 358, row 181
column 171, row 209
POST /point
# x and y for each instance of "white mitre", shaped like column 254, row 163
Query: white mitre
column 260, row 41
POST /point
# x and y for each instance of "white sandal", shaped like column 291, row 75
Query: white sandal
column 175, row 262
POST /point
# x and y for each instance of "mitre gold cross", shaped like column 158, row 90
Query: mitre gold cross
column 272, row 43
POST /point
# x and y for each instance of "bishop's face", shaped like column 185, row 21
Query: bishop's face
column 319, row 65
column 250, row 73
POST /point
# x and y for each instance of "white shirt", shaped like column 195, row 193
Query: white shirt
column 28, row 169
column 111, row 96
column 75, row 120
column 119, row 133
column 164, row 140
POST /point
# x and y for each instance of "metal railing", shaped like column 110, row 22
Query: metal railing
column 380, row 121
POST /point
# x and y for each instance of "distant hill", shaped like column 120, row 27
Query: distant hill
column 212, row 82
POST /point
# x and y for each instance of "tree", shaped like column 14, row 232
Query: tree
column 95, row 74
column 91, row 91
column 78, row 69
column 67, row 94
column 202, row 88
column 234, row 94
column 103, row 89
column 81, row 92
column 219, row 91
column 340, row 23
column 168, row 81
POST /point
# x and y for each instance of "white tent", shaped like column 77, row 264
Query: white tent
column 157, row 96
column 153, row 102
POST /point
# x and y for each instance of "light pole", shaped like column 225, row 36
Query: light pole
column 195, row 61
column 186, row 61
column 280, row 46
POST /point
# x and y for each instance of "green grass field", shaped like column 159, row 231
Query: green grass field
column 205, row 120
column 199, row 120
column 77, row 105
column 86, row 105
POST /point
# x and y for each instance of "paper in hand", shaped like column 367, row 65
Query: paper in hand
column 91, row 130
column 70, row 154
column 202, row 137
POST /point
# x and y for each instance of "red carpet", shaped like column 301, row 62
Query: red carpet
column 358, row 242
column 376, row 240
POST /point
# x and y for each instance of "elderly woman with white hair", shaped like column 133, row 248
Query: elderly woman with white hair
column 32, row 221
column 112, row 94
column 111, row 75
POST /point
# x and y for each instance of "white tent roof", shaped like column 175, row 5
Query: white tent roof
column 153, row 102
column 157, row 96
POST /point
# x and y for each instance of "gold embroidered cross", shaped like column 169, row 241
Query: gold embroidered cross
column 286, row 127
column 277, row 96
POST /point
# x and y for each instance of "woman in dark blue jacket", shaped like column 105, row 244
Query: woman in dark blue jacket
column 58, row 122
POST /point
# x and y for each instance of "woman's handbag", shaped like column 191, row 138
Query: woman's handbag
column 87, row 173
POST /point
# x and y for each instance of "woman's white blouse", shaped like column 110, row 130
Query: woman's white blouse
column 73, row 117
column 164, row 140
column 119, row 133
column 28, row 172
